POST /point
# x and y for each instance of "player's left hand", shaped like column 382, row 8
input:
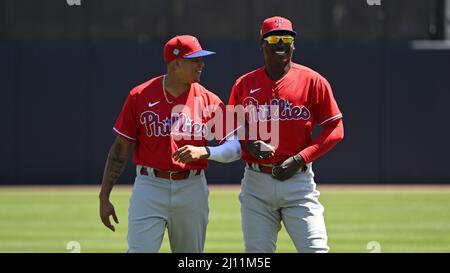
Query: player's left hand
column 288, row 168
column 189, row 153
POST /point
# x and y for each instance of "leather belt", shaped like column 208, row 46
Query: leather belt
column 172, row 175
column 261, row 168
column 269, row 169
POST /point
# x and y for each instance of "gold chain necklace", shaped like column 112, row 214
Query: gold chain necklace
column 164, row 90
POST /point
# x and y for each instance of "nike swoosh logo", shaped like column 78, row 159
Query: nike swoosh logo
column 254, row 90
column 150, row 104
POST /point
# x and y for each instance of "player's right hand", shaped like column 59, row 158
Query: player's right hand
column 106, row 210
column 259, row 149
column 189, row 153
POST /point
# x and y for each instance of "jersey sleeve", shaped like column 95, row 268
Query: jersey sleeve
column 331, row 134
column 324, row 105
column 126, row 125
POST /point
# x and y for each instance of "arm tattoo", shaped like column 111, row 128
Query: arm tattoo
column 115, row 165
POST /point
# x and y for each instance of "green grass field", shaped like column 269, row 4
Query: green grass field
column 398, row 218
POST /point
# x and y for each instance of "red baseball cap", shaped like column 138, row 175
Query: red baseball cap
column 276, row 23
column 184, row 46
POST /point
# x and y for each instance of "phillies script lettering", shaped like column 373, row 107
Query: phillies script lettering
column 277, row 109
column 177, row 124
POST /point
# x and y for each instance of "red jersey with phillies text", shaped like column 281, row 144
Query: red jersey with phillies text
column 296, row 102
column 159, row 126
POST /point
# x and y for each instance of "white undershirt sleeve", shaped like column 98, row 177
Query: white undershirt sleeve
column 229, row 151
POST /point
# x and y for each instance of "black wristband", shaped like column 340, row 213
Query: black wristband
column 208, row 151
column 298, row 159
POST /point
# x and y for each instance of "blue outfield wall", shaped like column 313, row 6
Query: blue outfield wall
column 60, row 100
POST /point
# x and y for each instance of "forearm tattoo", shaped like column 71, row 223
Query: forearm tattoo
column 115, row 165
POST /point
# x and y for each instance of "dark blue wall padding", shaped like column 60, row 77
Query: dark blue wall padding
column 59, row 101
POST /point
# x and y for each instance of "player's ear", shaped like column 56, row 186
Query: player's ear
column 171, row 65
column 180, row 62
column 261, row 46
column 176, row 63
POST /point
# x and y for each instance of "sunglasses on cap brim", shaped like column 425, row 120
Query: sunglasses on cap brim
column 275, row 39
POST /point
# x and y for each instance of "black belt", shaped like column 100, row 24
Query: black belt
column 261, row 168
column 269, row 169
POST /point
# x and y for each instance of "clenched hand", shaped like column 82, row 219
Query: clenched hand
column 189, row 153
column 288, row 168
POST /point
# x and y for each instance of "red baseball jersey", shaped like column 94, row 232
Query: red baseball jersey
column 158, row 128
column 303, row 98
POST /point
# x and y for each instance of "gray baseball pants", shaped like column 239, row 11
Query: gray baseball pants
column 181, row 206
column 265, row 202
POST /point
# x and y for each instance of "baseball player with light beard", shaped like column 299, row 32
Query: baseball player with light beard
column 159, row 118
column 280, row 186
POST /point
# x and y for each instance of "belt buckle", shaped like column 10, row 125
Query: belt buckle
column 170, row 175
